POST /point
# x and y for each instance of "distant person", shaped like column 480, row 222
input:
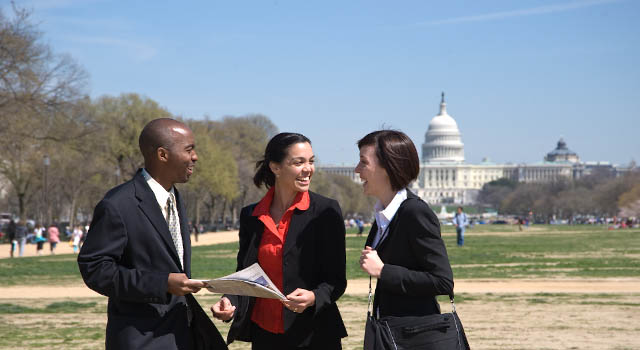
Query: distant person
column 360, row 225
column 11, row 234
column 39, row 232
column 195, row 230
column 21, row 235
column 404, row 249
column 54, row 238
column 298, row 238
column 520, row 223
column 138, row 251
column 76, row 237
column 460, row 221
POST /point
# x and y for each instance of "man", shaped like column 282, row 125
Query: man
column 138, row 251
column 21, row 233
column 11, row 233
column 460, row 221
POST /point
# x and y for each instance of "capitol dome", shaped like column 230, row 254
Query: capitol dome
column 443, row 142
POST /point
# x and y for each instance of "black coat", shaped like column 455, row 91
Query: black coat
column 127, row 256
column 416, row 265
column 313, row 259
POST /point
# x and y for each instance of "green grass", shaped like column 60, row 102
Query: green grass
column 81, row 326
column 58, row 269
column 547, row 251
column 56, row 307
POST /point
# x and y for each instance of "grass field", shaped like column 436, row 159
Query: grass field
column 547, row 251
column 517, row 321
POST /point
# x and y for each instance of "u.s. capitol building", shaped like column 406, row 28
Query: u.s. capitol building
column 446, row 178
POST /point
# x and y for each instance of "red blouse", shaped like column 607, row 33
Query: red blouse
column 267, row 313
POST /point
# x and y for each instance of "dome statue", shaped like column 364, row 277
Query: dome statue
column 443, row 142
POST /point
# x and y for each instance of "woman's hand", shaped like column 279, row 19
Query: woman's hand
column 370, row 262
column 299, row 300
column 223, row 310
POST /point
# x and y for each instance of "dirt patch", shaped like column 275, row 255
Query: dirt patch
column 361, row 286
column 64, row 247
column 492, row 321
column 578, row 285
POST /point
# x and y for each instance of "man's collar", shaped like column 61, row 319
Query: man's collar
column 158, row 190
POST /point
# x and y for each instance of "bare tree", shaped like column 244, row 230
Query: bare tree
column 36, row 89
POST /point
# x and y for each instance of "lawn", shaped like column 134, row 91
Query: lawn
column 490, row 251
column 538, row 321
column 518, row 321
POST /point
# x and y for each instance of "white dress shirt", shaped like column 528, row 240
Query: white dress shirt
column 161, row 195
column 385, row 215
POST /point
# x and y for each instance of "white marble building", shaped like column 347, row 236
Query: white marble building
column 446, row 178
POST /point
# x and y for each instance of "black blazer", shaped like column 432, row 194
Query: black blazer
column 313, row 259
column 127, row 256
column 416, row 265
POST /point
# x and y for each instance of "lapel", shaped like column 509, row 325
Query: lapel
column 255, row 229
column 185, row 231
column 394, row 222
column 372, row 234
column 299, row 221
column 149, row 206
column 391, row 228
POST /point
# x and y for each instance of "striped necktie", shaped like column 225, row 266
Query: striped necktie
column 174, row 226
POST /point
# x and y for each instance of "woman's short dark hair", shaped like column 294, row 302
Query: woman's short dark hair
column 397, row 154
column 276, row 151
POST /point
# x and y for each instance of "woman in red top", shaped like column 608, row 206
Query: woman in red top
column 298, row 238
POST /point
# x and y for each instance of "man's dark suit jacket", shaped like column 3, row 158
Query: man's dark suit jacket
column 313, row 259
column 127, row 256
column 416, row 265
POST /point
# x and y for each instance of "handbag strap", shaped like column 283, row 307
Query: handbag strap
column 369, row 303
column 453, row 305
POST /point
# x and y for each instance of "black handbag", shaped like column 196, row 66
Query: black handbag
column 432, row 332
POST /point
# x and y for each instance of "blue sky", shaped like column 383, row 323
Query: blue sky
column 517, row 74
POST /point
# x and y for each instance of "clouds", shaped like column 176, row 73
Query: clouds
column 519, row 13
column 107, row 33
column 41, row 5
column 139, row 52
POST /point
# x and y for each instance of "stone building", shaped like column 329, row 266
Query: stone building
column 446, row 178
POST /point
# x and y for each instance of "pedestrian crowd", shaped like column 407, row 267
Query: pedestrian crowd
column 20, row 232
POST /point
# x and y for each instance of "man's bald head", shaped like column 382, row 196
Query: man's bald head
column 159, row 133
column 168, row 147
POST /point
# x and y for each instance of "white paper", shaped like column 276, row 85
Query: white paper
column 252, row 281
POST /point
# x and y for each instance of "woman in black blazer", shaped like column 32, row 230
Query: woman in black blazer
column 298, row 237
column 404, row 249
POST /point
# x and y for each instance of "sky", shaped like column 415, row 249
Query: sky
column 517, row 74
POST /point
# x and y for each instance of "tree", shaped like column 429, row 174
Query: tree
column 629, row 202
column 37, row 89
column 246, row 137
column 494, row 192
column 216, row 172
column 607, row 195
column 349, row 194
column 120, row 120
column 523, row 199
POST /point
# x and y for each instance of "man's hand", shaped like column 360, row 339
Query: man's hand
column 299, row 300
column 370, row 262
column 223, row 309
column 179, row 284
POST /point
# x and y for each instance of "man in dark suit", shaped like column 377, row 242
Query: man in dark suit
column 138, row 251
